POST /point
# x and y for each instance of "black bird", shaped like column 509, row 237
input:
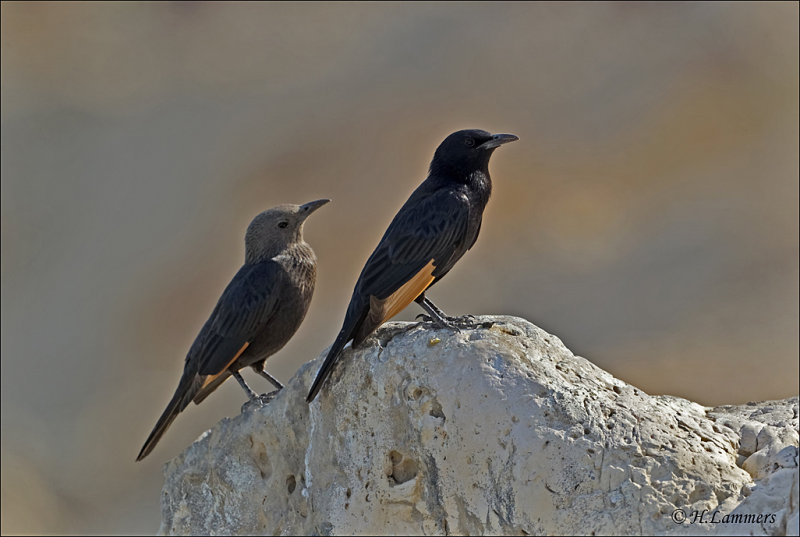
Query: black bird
column 433, row 229
column 257, row 314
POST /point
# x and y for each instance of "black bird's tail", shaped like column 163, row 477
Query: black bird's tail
column 353, row 319
column 324, row 372
column 189, row 385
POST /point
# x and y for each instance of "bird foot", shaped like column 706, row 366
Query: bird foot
column 455, row 323
column 470, row 321
column 259, row 401
column 449, row 323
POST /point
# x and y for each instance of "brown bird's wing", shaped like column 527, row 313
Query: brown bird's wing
column 244, row 309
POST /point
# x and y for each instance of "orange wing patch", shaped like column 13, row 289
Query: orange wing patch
column 209, row 379
column 394, row 303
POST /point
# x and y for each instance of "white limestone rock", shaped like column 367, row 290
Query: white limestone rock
column 496, row 430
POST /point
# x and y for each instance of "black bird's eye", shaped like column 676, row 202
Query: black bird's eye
column 283, row 224
column 469, row 141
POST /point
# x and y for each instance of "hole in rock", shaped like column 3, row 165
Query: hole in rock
column 403, row 468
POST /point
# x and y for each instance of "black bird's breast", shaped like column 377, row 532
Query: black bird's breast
column 475, row 192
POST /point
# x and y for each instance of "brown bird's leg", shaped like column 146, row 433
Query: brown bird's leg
column 254, row 400
column 259, row 368
column 250, row 393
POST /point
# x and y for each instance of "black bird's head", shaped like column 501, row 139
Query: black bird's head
column 467, row 151
column 272, row 231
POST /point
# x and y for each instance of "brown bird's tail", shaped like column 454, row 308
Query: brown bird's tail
column 189, row 385
column 204, row 390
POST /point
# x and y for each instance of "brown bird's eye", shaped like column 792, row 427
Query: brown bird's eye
column 283, row 224
column 469, row 141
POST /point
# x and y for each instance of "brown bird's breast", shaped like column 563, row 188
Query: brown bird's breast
column 300, row 267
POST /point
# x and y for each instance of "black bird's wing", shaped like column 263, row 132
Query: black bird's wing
column 425, row 239
column 244, row 309
column 422, row 244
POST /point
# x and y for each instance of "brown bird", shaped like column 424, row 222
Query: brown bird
column 430, row 233
column 258, row 313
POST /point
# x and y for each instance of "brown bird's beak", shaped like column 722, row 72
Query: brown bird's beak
column 311, row 206
column 498, row 140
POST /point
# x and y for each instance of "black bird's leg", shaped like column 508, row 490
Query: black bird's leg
column 259, row 368
column 250, row 393
column 438, row 316
column 427, row 301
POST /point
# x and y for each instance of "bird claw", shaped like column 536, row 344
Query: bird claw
column 259, row 401
column 470, row 321
column 453, row 323
column 269, row 396
column 454, row 327
column 448, row 323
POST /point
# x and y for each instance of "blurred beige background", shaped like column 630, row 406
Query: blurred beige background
column 648, row 216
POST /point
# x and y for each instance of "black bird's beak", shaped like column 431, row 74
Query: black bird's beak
column 311, row 206
column 497, row 140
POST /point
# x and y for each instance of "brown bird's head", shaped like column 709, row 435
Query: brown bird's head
column 272, row 231
column 467, row 151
